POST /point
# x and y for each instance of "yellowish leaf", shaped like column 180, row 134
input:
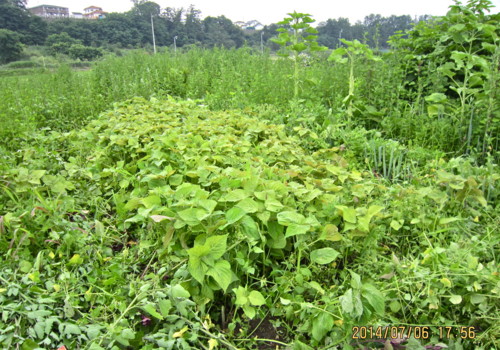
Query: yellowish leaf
column 212, row 344
column 180, row 333
column 446, row 282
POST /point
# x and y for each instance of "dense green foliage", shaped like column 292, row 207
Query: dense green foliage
column 15, row 17
column 161, row 218
column 375, row 30
column 215, row 198
column 457, row 57
column 10, row 46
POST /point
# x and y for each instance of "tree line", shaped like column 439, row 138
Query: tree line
column 181, row 26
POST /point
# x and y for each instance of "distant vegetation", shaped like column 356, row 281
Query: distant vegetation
column 133, row 29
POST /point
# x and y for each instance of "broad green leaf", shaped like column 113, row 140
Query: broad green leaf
column 337, row 55
column 57, row 184
column 250, row 228
column 346, row 302
column 193, row 216
column 35, row 176
column 25, row 266
column 316, row 286
column 256, row 298
column 456, row 299
column 294, row 230
column 179, row 291
column 235, row 196
column 241, row 295
column 39, row 314
column 397, row 224
column 248, row 205
column 277, row 239
column 151, row 201
column 93, row 331
column 150, row 309
column 322, row 324
column 133, row 203
column 207, row 204
column 196, row 266
column 287, row 218
column 355, row 280
column 436, row 97
column 249, row 311
column 298, row 47
column 234, row 214
column 72, row 329
column 217, row 245
column 221, row 273
column 175, row 180
column 477, row 298
column 364, row 221
column 395, row 306
column 285, row 301
column 324, row 256
column 165, row 306
column 349, row 214
column 330, row 233
column 273, row 205
column 374, row 297
column 30, row 344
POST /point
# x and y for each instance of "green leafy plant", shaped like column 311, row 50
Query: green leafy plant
column 354, row 50
column 296, row 37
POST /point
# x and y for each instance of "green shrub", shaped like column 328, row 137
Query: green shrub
column 84, row 53
column 61, row 43
column 23, row 64
column 10, row 46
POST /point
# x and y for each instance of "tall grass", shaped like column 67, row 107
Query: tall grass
column 225, row 79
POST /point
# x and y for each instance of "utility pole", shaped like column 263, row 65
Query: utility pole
column 261, row 42
column 340, row 36
column 175, row 45
column 153, row 31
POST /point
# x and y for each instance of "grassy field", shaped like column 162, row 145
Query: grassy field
column 192, row 201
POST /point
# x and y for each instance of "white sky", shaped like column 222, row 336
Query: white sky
column 269, row 11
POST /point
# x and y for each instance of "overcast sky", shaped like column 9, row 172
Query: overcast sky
column 269, row 11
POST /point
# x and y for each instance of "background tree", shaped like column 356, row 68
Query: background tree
column 220, row 31
column 84, row 53
column 85, row 31
column 173, row 19
column 15, row 17
column 10, row 46
column 119, row 29
column 193, row 26
column 331, row 31
column 61, row 43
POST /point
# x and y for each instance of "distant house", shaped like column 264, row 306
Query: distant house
column 50, row 11
column 93, row 12
column 250, row 25
column 76, row 14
